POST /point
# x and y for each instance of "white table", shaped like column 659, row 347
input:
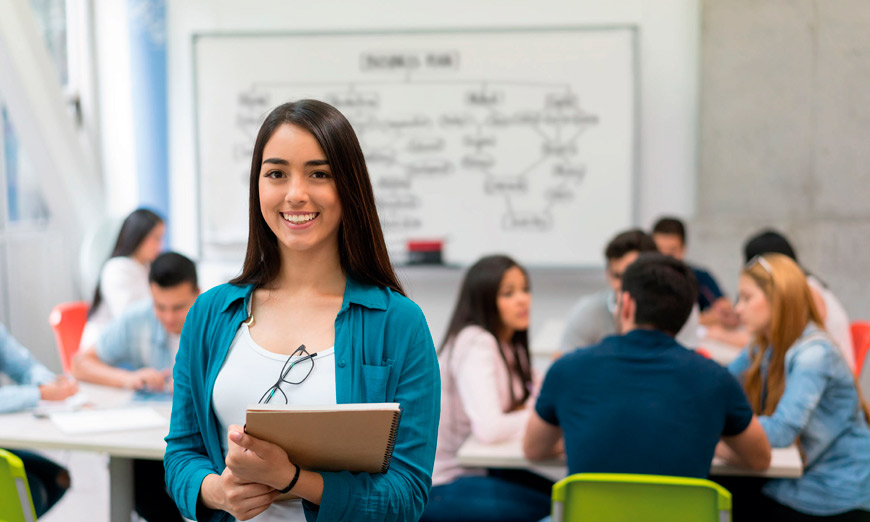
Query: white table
column 721, row 352
column 785, row 462
column 26, row 431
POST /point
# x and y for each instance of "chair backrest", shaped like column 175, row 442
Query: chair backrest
column 16, row 506
column 68, row 320
column 619, row 497
column 860, row 342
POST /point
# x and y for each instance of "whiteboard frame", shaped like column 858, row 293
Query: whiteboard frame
column 632, row 29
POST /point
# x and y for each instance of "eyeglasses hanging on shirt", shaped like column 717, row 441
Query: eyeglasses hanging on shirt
column 293, row 372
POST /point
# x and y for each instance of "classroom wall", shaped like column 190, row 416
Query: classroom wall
column 784, row 121
column 668, row 98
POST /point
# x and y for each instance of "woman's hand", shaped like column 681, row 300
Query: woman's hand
column 255, row 460
column 242, row 500
column 58, row 389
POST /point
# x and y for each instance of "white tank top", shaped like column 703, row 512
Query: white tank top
column 249, row 371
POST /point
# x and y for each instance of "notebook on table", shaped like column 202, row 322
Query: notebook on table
column 337, row 437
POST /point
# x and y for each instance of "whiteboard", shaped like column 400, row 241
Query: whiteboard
column 514, row 141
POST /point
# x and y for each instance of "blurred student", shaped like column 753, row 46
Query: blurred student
column 124, row 277
column 640, row 402
column 669, row 234
column 834, row 317
column 486, row 389
column 47, row 480
column 137, row 350
column 804, row 393
column 591, row 319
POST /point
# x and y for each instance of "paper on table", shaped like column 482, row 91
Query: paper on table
column 119, row 419
column 72, row 403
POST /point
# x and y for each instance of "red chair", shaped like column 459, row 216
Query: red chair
column 68, row 320
column 860, row 342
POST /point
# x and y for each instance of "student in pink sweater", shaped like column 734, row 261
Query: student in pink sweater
column 486, row 392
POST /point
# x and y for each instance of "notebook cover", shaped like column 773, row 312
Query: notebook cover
column 341, row 437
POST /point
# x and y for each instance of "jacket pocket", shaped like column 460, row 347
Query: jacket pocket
column 375, row 382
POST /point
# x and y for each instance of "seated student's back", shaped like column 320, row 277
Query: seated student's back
column 640, row 402
column 656, row 407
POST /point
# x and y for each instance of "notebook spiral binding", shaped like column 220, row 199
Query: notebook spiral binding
column 394, row 431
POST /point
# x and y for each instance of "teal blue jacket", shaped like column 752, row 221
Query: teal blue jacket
column 383, row 353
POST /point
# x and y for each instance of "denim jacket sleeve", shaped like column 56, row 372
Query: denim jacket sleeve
column 401, row 493
column 807, row 375
column 740, row 364
column 17, row 362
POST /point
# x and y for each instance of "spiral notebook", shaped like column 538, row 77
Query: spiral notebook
column 337, row 437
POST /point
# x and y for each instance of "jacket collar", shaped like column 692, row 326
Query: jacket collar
column 369, row 296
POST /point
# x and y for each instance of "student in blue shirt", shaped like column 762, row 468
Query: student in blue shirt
column 137, row 351
column 669, row 233
column 317, row 289
column 48, row 481
column 800, row 386
column 138, row 348
column 640, row 402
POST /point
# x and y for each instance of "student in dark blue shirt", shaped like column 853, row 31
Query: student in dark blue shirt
column 640, row 402
column 669, row 234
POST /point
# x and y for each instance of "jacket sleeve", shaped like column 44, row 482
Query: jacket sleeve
column 401, row 493
column 186, row 461
column 807, row 376
column 18, row 363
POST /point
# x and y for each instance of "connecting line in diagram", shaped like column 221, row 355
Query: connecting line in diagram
column 402, row 150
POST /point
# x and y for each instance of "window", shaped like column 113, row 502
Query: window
column 24, row 200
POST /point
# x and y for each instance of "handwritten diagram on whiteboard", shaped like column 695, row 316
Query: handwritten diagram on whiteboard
column 520, row 142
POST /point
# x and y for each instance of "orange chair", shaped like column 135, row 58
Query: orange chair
column 860, row 342
column 68, row 320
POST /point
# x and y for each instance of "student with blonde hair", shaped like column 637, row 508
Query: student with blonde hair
column 800, row 386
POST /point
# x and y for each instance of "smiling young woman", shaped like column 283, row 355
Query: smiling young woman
column 317, row 290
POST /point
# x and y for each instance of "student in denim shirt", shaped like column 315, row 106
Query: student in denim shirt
column 804, row 393
column 316, row 276
column 48, row 481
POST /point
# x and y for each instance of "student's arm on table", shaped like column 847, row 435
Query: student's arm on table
column 748, row 449
column 721, row 313
column 87, row 366
column 736, row 337
column 542, row 439
column 34, row 381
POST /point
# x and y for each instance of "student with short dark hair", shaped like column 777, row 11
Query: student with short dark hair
column 669, row 233
column 591, row 318
column 640, row 402
column 137, row 350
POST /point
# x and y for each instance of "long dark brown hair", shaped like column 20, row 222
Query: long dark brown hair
column 477, row 306
column 361, row 248
column 134, row 230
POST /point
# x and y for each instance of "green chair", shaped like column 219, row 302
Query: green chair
column 16, row 505
column 614, row 497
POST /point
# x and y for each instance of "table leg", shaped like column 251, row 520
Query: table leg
column 120, row 489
